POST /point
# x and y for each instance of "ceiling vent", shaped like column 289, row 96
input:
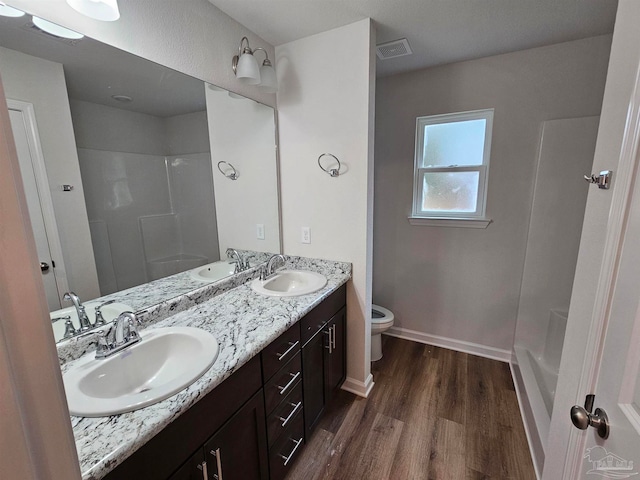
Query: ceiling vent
column 397, row 48
column 30, row 27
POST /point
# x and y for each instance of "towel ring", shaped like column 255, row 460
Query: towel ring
column 333, row 172
column 231, row 175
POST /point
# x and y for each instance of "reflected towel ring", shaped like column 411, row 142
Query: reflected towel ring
column 334, row 172
column 233, row 175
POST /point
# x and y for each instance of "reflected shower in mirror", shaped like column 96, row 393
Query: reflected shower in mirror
column 121, row 156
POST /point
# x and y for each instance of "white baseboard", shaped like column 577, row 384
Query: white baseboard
column 357, row 387
column 451, row 344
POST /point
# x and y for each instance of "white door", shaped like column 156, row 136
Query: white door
column 38, row 198
column 618, row 386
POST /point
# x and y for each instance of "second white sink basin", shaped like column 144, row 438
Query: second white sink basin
column 164, row 362
column 213, row 271
column 290, row 283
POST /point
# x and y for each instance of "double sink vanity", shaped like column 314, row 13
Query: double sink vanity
column 227, row 381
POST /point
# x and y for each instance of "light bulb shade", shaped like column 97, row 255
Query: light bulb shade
column 105, row 10
column 269, row 81
column 247, row 70
column 7, row 11
column 55, row 29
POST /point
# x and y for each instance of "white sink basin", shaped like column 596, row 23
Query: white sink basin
column 290, row 283
column 109, row 313
column 164, row 362
column 213, row 271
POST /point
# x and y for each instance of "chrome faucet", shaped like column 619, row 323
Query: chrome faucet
column 235, row 257
column 122, row 334
column 99, row 318
column 85, row 323
column 269, row 269
column 69, row 329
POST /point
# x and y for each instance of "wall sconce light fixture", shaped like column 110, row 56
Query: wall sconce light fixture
column 55, row 29
column 105, row 10
column 245, row 66
column 7, row 11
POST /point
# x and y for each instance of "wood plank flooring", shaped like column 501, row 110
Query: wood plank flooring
column 433, row 414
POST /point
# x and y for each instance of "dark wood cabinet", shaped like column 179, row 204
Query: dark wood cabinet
column 323, row 357
column 193, row 469
column 238, row 450
column 254, row 424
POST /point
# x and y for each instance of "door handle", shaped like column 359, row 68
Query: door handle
column 582, row 418
column 44, row 267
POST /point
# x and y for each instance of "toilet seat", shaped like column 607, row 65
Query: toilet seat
column 386, row 315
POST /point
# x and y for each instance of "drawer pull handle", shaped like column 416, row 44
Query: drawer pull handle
column 333, row 328
column 296, row 408
column 290, row 456
column 216, row 453
column 294, row 377
column 291, row 347
column 203, row 467
column 330, row 346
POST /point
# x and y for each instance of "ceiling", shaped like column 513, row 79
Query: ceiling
column 439, row 31
column 95, row 71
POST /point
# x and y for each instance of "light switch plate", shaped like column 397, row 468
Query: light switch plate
column 260, row 231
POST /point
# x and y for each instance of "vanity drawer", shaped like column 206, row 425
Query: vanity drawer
column 285, row 414
column 280, row 351
column 282, row 383
column 316, row 318
column 283, row 454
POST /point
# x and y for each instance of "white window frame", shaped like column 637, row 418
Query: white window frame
column 475, row 219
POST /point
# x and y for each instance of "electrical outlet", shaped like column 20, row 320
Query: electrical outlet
column 260, row 231
column 306, row 235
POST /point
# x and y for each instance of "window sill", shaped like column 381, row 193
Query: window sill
column 450, row 222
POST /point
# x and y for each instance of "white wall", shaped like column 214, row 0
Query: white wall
column 191, row 36
column 463, row 283
column 42, row 83
column 325, row 104
column 101, row 127
column 242, row 132
column 566, row 154
column 186, row 134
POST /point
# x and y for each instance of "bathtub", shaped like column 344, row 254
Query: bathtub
column 536, row 376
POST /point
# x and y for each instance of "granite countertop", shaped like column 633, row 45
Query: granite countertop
column 243, row 322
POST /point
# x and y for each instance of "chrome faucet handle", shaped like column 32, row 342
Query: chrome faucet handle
column 103, row 344
column 69, row 329
column 133, row 327
column 99, row 321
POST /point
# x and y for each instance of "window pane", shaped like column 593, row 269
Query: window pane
column 450, row 191
column 455, row 143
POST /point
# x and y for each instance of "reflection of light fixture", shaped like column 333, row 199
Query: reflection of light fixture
column 56, row 30
column 105, row 10
column 7, row 11
column 245, row 66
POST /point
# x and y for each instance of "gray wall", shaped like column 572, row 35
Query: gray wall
column 463, row 283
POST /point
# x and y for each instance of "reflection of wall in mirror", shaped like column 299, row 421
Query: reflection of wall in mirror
column 242, row 132
column 149, row 179
column 42, row 83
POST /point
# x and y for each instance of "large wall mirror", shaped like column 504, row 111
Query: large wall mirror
column 133, row 172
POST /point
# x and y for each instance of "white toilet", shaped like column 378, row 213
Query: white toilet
column 381, row 321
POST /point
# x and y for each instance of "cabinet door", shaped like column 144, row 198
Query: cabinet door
column 313, row 379
column 238, row 451
column 193, row 469
column 335, row 357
